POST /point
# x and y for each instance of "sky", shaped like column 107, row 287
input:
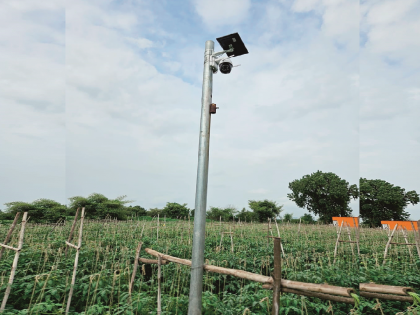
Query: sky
column 105, row 96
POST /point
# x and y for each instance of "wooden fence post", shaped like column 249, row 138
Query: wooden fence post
column 276, row 277
column 9, row 234
column 15, row 262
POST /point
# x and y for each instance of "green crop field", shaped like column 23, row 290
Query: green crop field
column 43, row 275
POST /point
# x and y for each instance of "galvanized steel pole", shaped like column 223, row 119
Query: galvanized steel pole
column 196, row 285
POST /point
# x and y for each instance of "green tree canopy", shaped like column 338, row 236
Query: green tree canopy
column 40, row 210
column 307, row 218
column 247, row 216
column 98, row 206
column 227, row 214
column 136, row 211
column 380, row 200
column 175, row 210
column 288, row 217
column 324, row 194
column 265, row 209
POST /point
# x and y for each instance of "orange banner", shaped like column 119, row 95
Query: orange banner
column 401, row 225
column 348, row 221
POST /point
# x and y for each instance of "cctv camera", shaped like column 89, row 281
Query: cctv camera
column 225, row 66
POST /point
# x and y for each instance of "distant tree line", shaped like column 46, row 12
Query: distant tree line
column 323, row 194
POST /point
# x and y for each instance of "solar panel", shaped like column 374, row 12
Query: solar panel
column 237, row 43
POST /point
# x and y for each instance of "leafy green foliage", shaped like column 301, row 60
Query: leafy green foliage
column 41, row 210
column 98, row 206
column 226, row 214
column 247, row 216
column 136, row 211
column 176, row 210
column 380, row 200
column 307, row 218
column 324, row 194
column 265, row 209
column 288, row 217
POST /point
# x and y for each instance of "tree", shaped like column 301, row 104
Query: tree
column 380, row 200
column 98, row 206
column 136, row 211
column 40, row 210
column 175, row 210
column 324, row 194
column 226, row 214
column 307, row 218
column 265, row 209
column 154, row 212
column 247, row 216
column 288, row 217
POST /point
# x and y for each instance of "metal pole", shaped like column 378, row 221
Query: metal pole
column 196, row 285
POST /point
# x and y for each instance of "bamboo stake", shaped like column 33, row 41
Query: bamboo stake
column 336, row 243
column 351, row 243
column 404, row 232
column 389, row 241
column 9, row 234
column 76, row 261
column 278, row 234
column 276, row 277
column 231, row 239
column 15, row 262
column 159, row 306
column 72, row 229
column 136, row 263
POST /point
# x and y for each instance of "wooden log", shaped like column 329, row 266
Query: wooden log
column 9, row 234
column 323, row 288
column 380, row 288
column 402, row 243
column 386, row 296
column 313, row 294
column 15, row 263
column 152, row 261
column 276, row 277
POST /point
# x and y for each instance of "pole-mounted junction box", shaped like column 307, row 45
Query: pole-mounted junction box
column 213, row 108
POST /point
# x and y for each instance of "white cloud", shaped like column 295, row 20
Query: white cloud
column 216, row 13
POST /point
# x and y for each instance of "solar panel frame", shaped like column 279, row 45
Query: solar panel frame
column 237, row 43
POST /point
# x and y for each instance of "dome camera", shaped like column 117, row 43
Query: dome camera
column 225, row 66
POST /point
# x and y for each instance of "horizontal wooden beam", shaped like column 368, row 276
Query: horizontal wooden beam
column 403, row 243
column 388, row 289
column 322, row 288
column 386, row 296
column 9, row 247
column 313, row 294
column 71, row 245
column 152, row 261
